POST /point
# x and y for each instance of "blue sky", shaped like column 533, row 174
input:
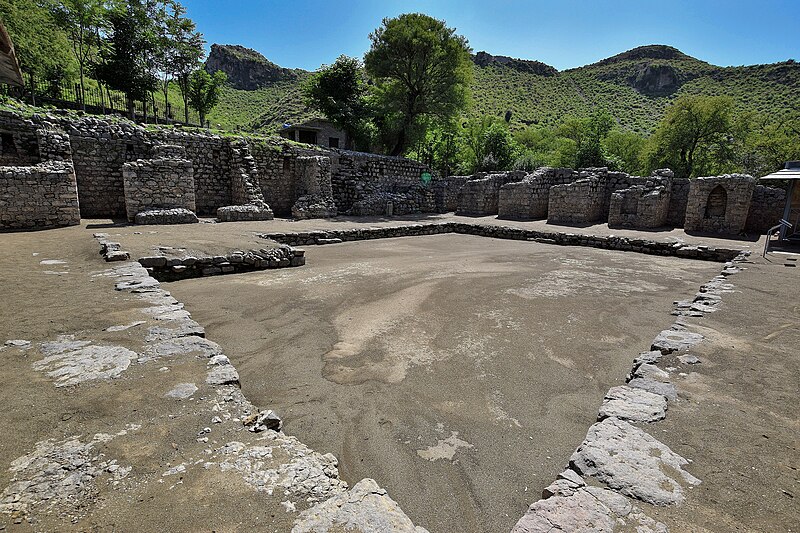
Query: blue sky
column 565, row 34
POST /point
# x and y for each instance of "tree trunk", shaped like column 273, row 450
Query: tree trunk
column 33, row 91
column 400, row 144
column 83, row 90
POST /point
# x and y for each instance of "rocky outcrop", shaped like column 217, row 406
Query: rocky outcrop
column 485, row 59
column 654, row 79
column 246, row 68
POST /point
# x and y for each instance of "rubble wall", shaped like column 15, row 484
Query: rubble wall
column 38, row 196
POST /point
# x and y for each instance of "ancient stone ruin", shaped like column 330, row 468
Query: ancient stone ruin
column 60, row 169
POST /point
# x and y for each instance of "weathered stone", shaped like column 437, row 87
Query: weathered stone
column 366, row 508
column 689, row 359
column 262, row 421
column 656, row 387
column 188, row 345
column 153, row 261
column 118, row 255
column 18, row 343
column 652, row 357
column 70, row 366
column 222, row 375
column 53, row 473
column 632, row 462
column 670, row 340
column 648, row 371
column 182, row 391
column 588, row 509
column 636, row 405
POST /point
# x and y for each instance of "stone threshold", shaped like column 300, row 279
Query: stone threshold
column 611, row 242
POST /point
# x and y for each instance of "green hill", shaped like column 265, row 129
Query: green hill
column 634, row 86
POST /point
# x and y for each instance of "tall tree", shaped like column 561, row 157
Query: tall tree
column 204, row 91
column 422, row 70
column 179, row 51
column 339, row 91
column 694, row 137
column 125, row 58
column 82, row 21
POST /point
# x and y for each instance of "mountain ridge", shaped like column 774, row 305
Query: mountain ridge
column 635, row 86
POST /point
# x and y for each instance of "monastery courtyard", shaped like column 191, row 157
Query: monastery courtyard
column 460, row 372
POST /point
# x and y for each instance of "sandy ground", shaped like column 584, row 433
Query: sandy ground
column 738, row 418
column 206, row 238
column 47, row 289
column 459, row 372
column 210, row 237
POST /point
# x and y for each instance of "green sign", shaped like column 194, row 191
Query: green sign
column 425, row 178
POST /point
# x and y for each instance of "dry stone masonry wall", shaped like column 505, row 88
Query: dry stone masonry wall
column 164, row 182
column 252, row 178
column 719, row 204
column 38, row 196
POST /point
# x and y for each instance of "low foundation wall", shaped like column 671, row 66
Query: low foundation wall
column 645, row 246
column 173, row 268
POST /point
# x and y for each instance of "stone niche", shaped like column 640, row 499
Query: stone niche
column 579, row 202
column 719, row 204
column 313, row 185
column 164, row 184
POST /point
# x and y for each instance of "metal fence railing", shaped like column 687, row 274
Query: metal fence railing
column 102, row 101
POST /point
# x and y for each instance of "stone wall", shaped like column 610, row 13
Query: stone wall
column 766, row 209
column 480, row 195
column 606, row 242
column 639, row 207
column 313, row 186
column 447, row 191
column 246, row 176
column 356, row 176
column 719, row 204
column 38, row 196
column 529, row 199
column 164, row 182
column 19, row 144
column 678, row 199
column 579, row 202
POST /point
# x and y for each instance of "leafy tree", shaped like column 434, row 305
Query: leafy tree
column 499, row 147
column 204, row 91
column 82, row 20
column 179, row 52
column 126, row 57
column 768, row 144
column 41, row 46
column 339, row 91
column 422, row 71
column 694, row 137
column 626, row 149
column 487, row 145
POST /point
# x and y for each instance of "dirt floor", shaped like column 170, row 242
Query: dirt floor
column 738, row 418
column 459, row 372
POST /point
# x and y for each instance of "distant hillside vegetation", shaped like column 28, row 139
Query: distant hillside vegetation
column 634, row 86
